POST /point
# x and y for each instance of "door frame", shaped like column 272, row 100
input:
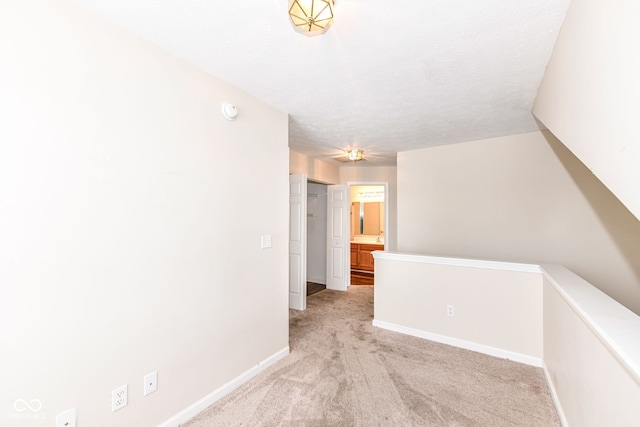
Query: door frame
column 298, row 243
column 386, row 206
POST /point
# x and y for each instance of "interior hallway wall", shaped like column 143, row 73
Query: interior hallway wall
column 130, row 239
column 522, row 198
column 316, row 170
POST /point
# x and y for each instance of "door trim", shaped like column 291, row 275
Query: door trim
column 386, row 205
column 298, row 241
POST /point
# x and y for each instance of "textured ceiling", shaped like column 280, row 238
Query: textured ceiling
column 388, row 76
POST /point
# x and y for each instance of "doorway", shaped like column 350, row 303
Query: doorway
column 368, row 225
column 316, row 237
column 339, row 240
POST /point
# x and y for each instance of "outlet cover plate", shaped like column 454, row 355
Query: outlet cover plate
column 450, row 311
column 266, row 241
column 118, row 398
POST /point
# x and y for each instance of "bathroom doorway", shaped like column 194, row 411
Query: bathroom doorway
column 368, row 225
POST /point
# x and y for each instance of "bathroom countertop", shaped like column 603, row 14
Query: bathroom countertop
column 368, row 240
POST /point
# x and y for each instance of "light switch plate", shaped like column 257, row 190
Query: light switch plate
column 266, row 241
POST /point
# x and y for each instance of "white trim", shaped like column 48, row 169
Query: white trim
column 467, row 345
column 197, row 407
column 554, row 396
column 459, row 262
column 603, row 316
column 385, row 184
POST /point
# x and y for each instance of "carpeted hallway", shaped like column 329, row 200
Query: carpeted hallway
column 344, row 372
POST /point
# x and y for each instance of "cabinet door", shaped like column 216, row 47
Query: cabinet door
column 365, row 259
column 354, row 256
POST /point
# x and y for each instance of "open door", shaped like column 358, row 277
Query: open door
column 338, row 244
column 298, row 242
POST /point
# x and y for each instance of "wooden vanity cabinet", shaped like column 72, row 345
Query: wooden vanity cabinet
column 361, row 258
column 354, row 255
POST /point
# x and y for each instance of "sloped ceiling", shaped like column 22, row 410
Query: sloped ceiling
column 388, row 76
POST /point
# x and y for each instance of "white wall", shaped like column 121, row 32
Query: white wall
column 378, row 174
column 130, row 240
column 589, row 94
column 522, row 198
column 317, row 233
column 497, row 308
column 316, row 170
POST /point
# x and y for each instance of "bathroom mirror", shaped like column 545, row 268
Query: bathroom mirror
column 367, row 218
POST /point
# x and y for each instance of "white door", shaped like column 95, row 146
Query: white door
column 338, row 245
column 298, row 242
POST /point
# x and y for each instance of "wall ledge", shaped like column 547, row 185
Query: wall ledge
column 458, row 262
column 617, row 327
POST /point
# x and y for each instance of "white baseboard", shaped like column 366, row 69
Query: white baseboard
column 194, row 409
column 467, row 345
column 554, row 396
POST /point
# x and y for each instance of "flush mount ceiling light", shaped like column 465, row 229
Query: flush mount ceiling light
column 311, row 16
column 355, row 155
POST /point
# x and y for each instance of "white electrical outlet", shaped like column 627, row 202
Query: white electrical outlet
column 450, row 311
column 150, row 382
column 118, row 398
column 66, row 418
column 266, row 241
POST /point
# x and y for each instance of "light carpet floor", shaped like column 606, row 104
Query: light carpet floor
column 344, row 372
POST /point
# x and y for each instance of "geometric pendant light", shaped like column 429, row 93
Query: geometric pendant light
column 311, row 17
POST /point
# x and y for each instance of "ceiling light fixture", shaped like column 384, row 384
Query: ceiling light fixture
column 311, row 17
column 355, row 155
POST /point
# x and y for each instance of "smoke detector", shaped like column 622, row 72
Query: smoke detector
column 229, row 111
